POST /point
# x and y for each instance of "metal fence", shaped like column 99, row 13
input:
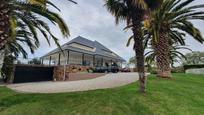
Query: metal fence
column 29, row 61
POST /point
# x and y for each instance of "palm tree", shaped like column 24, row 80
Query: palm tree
column 28, row 14
column 175, row 54
column 13, row 49
column 4, row 17
column 25, row 16
column 133, row 11
column 23, row 40
column 176, row 43
column 173, row 15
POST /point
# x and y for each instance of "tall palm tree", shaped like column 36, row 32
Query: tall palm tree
column 28, row 13
column 133, row 11
column 175, row 54
column 176, row 42
column 25, row 16
column 23, row 40
column 173, row 15
column 4, row 22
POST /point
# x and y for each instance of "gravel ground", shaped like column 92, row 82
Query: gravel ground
column 84, row 76
column 107, row 81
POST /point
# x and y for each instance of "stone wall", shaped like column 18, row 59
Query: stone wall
column 61, row 73
column 195, row 71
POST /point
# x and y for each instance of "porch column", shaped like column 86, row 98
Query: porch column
column 50, row 60
column 94, row 58
column 83, row 59
column 102, row 61
column 111, row 62
column 68, row 57
column 42, row 61
column 59, row 59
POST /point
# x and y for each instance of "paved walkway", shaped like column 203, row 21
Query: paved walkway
column 107, row 81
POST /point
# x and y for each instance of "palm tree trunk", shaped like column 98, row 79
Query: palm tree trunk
column 161, row 47
column 4, row 23
column 137, row 16
column 139, row 52
column 1, row 61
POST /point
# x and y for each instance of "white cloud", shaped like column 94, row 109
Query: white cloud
column 90, row 19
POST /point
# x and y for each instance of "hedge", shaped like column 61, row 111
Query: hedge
column 193, row 66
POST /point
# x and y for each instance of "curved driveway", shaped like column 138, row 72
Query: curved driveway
column 108, row 81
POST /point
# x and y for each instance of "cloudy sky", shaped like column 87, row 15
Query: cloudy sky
column 90, row 19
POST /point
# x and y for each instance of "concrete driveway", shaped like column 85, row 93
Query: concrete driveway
column 108, row 81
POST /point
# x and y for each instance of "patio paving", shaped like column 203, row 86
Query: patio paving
column 107, row 81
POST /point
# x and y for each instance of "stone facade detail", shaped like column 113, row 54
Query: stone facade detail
column 61, row 73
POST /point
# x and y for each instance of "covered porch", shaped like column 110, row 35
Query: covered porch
column 70, row 57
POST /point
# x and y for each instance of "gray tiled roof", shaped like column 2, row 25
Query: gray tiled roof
column 100, row 49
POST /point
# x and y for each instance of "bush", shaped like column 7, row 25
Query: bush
column 178, row 70
column 173, row 70
column 193, row 66
column 8, row 69
column 90, row 70
column 153, row 72
column 35, row 61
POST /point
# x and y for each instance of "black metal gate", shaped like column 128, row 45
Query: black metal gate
column 25, row 74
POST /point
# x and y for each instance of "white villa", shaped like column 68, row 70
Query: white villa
column 81, row 51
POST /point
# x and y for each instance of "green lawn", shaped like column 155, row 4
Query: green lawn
column 184, row 95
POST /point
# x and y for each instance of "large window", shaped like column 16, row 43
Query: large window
column 63, row 58
column 54, row 59
column 98, row 61
column 88, row 60
column 75, row 58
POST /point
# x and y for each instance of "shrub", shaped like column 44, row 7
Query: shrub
column 8, row 69
column 178, row 70
column 193, row 66
column 153, row 72
column 35, row 61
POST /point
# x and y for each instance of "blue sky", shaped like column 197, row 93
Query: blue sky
column 90, row 19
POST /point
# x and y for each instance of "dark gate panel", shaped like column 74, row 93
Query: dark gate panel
column 25, row 74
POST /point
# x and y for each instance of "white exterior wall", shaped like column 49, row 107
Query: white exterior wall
column 82, row 47
column 195, row 71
